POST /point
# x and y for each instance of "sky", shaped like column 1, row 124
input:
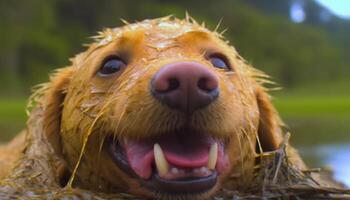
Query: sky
column 339, row 7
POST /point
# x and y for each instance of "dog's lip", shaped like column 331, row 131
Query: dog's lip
column 181, row 186
column 186, row 184
column 119, row 157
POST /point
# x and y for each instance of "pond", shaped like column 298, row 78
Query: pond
column 337, row 156
column 323, row 142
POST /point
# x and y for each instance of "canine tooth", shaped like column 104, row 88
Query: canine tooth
column 161, row 162
column 213, row 156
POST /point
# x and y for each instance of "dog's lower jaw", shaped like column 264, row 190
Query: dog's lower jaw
column 189, row 181
column 145, row 193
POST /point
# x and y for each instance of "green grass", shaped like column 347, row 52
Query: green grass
column 12, row 108
column 338, row 106
column 12, row 117
column 315, row 119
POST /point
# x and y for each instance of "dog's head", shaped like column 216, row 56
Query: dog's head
column 161, row 108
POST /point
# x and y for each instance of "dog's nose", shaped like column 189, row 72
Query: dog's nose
column 185, row 86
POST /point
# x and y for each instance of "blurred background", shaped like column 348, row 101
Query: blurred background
column 303, row 44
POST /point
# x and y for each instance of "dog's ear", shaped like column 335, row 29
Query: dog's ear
column 52, row 105
column 269, row 131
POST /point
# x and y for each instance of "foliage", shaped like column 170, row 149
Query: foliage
column 40, row 35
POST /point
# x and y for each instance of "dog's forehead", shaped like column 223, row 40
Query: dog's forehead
column 158, row 32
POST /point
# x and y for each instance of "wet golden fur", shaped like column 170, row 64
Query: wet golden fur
column 81, row 109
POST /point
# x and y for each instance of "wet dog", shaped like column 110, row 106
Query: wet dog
column 162, row 108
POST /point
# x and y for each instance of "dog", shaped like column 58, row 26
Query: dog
column 161, row 108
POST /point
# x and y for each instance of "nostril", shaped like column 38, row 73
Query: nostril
column 202, row 84
column 173, row 84
column 207, row 84
column 165, row 85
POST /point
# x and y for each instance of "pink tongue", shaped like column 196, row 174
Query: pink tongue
column 178, row 152
column 140, row 156
column 186, row 154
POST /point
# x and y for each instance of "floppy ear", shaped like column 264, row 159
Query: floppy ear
column 270, row 128
column 53, row 103
column 269, row 131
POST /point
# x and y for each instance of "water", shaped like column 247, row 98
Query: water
column 336, row 156
column 323, row 141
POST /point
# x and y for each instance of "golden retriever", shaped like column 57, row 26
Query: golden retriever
column 162, row 108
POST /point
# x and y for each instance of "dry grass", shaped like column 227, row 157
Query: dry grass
column 278, row 178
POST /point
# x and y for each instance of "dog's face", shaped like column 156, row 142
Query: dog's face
column 161, row 108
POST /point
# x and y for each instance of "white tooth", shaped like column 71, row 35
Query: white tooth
column 161, row 162
column 174, row 170
column 213, row 156
column 196, row 170
column 203, row 169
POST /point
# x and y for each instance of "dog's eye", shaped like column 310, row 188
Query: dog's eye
column 111, row 66
column 219, row 62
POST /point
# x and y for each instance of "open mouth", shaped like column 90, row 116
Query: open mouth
column 178, row 162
